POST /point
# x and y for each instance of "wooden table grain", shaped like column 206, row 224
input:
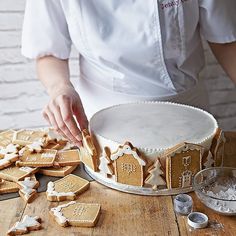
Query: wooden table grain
column 124, row 214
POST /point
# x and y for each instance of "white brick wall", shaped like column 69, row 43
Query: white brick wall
column 22, row 97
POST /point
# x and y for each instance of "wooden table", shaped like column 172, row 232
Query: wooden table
column 124, row 214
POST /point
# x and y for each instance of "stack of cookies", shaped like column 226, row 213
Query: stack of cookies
column 25, row 152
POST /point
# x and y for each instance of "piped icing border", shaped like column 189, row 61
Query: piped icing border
column 51, row 191
column 154, row 150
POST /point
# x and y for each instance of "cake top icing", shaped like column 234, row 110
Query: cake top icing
column 153, row 125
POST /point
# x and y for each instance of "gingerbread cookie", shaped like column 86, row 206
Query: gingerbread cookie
column 67, row 158
column 27, row 224
column 56, row 145
column 8, row 159
column 42, row 159
column 207, row 159
column 53, row 136
column 57, row 172
column 8, row 187
column 76, row 214
column 155, row 177
column 88, row 153
column 10, row 148
column 128, row 165
column 14, row 173
column 182, row 162
column 36, row 146
column 6, row 138
column 66, row 188
column 105, row 165
column 217, row 147
column 26, row 137
column 27, row 188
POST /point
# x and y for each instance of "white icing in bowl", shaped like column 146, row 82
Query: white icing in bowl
column 153, row 126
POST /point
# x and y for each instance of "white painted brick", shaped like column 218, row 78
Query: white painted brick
column 228, row 124
column 16, row 73
column 22, row 120
column 12, row 5
column 16, row 90
column 11, row 55
column 23, row 103
column 220, row 83
column 11, row 21
column 222, row 97
column 10, row 39
column 27, row 71
column 224, row 111
column 6, row 122
column 214, row 71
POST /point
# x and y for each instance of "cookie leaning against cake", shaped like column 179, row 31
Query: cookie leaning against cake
column 25, row 152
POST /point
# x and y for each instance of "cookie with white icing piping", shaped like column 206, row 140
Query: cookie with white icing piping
column 26, row 225
column 88, row 153
column 42, row 159
column 8, row 187
column 8, row 155
column 6, row 138
column 67, row 158
column 8, row 159
column 183, row 161
column 217, row 147
column 27, row 188
column 26, row 137
column 36, row 146
column 14, row 173
column 57, row 172
column 128, row 165
column 76, row 214
column 66, row 188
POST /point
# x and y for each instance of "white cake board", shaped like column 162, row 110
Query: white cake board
column 133, row 189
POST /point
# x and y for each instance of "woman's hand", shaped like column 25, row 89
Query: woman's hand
column 64, row 112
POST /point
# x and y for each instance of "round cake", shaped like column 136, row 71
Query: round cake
column 153, row 147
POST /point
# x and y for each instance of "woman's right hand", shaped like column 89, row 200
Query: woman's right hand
column 65, row 113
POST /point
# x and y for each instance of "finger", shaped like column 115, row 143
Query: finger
column 45, row 116
column 61, row 124
column 54, row 123
column 67, row 116
column 80, row 116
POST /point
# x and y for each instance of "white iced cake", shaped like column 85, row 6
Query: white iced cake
column 153, row 147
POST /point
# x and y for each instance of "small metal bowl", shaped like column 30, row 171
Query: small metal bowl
column 216, row 189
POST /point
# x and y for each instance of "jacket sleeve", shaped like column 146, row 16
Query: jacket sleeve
column 218, row 20
column 45, row 30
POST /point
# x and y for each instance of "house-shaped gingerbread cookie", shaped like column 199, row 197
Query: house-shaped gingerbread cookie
column 217, row 147
column 88, row 154
column 128, row 165
column 182, row 162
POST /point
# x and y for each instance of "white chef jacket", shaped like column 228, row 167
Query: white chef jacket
column 132, row 49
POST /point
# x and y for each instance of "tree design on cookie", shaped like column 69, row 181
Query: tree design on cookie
column 128, row 165
column 155, row 175
column 105, row 163
column 209, row 161
column 26, row 225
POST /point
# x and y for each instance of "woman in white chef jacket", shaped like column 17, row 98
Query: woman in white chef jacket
column 129, row 51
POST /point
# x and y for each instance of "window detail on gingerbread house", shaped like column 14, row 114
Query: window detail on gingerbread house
column 128, row 165
column 183, row 162
column 186, row 178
